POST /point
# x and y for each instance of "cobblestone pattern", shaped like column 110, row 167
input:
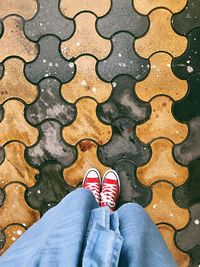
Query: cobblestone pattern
column 88, row 83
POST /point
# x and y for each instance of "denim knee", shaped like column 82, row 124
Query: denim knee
column 80, row 199
column 133, row 213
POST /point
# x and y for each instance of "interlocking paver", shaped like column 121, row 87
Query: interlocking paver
column 1, row 114
column 122, row 17
column 195, row 256
column 1, row 28
column 87, row 158
column 87, row 125
column 11, row 234
column 188, row 108
column 189, row 15
column 14, row 168
column 15, row 209
column 51, row 146
column 86, row 82
column 50, row 104
column 49, row 189
column 162, row 165
column 145, row 6
column 189, row 149
column 72, row 7
column 1, row 68
column 27, row 9
column 49, row 20
column 2, row 154
column 189, row 237
column 188, row 63
column 2, row 240
column 2, row 197
column 22, row 47
column 131, row 190
column 94, row 43
column 14, row 126
column 161, row 36
column 123, row 102
column 162, row 123
column 154, row 84
column 188, row 193
column 14, row 84
column 163, row 209
column 124, row 145
column 49, row 62
column 123, row 59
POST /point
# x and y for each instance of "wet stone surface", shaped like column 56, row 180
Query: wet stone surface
column 1, row 113
column 123, row 145
column 123, row 59
column 188, row 63
column 49, row 62
column 2, row 154
column 189, row 107
column 1, row 69
column 51, row 146
column 131, row 190
column 88, row 83
column 122, row 17
column 49, row 20
column 1, row 28
column 195, row 257
column 189, row 149
column 188, row 193
column 189, row 237
column 50, row 104
column 49, row 189
column 190, row 15
column 2, row 197
column 123, row 102
column 2, row 239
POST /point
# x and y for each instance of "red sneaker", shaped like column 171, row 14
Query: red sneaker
column 110, row 189
column 92, row 182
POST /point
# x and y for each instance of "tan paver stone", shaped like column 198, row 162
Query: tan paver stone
column 94, row 44
column 71, row 7
column 87, row 125
column 14, row 83
column 14, row 126
column 162, row 123
column 14, row 167
column 163, row 209
column 87, row 158
column 86, row 82
column 161, row 80
column 14, row 42
column 162, row 165
column 161, row 36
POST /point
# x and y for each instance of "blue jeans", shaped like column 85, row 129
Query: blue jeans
column 78, row 233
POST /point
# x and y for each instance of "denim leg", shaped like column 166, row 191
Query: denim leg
column 57, row 238
column 100, row 216
column 104, row 241
column 143, row 244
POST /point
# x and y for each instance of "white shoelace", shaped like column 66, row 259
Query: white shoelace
column 95, row 190
column 108, row 194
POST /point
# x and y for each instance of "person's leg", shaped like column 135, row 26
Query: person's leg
column 104, row 242
column 143, row 244
column 57, row 238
